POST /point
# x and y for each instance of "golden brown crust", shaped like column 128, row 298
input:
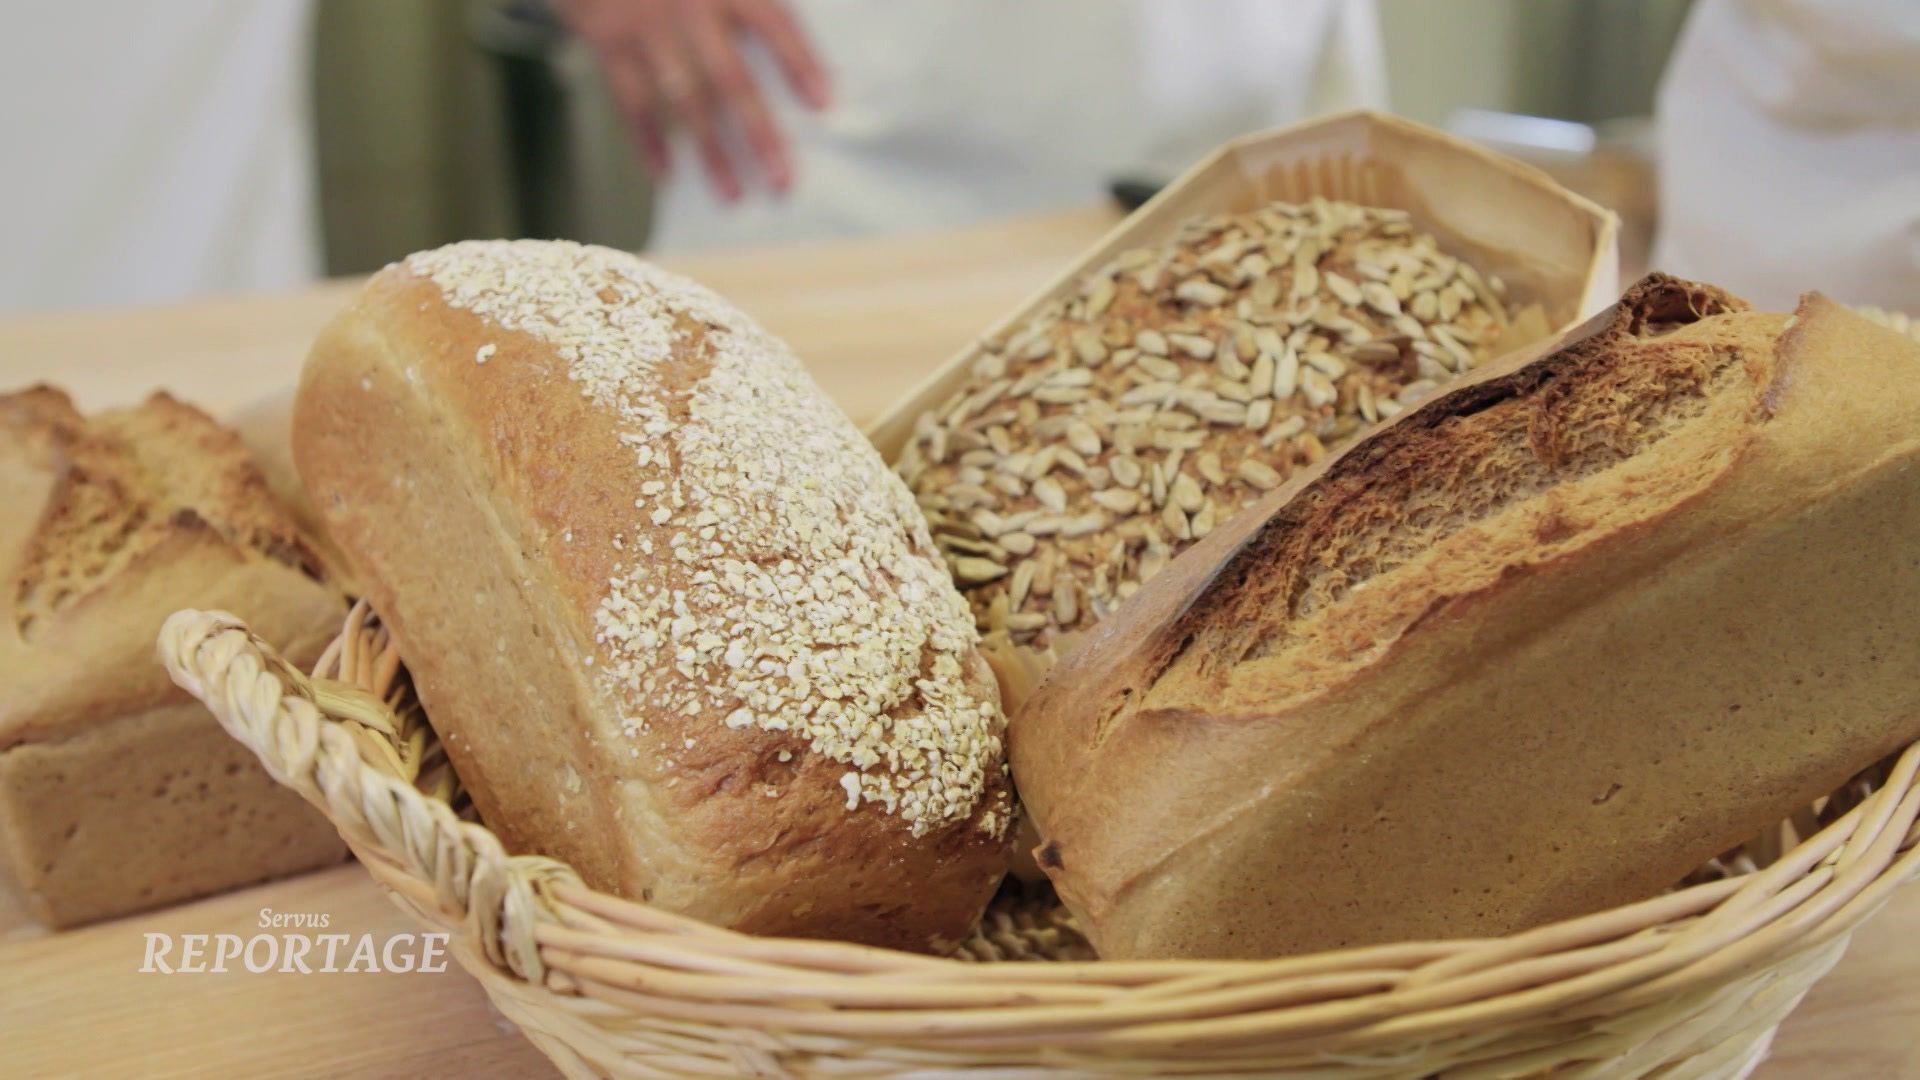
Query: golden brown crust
column 110, row 524
column 108, row 521
column 1538, row 647
column 497, row 510
column 151, row 808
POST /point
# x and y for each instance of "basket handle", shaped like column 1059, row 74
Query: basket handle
column 299, row 728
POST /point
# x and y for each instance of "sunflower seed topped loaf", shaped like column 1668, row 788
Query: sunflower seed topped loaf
column 676, row 621
column 1180, row 383
column 1541, row 646
column 117, row 791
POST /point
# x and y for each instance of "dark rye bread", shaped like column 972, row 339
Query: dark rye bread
column 1538, row 647
column 117, row 790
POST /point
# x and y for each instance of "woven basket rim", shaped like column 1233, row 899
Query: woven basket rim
column 339, row 739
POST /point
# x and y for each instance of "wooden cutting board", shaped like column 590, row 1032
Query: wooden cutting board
column 870, row 318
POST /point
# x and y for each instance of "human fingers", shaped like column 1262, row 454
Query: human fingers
column 774, row 23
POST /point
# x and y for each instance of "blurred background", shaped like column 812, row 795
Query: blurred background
column 163, row 150
column 442, row 119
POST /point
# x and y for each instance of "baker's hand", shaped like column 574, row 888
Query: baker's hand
column 678, row 62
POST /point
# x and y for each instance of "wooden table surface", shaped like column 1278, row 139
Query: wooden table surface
column 870, row 318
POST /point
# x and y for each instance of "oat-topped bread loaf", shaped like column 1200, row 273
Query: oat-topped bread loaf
column 1541, row 646
column 117, row 790
column 1180, row 383
column 673, row 618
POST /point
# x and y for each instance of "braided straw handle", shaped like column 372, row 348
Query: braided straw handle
column 361, row 771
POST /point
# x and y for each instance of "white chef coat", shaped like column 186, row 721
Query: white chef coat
column 154, row 150
column 944, row 113
column 1789, row 139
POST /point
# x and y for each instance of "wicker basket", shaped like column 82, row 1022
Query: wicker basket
column 1689, row 984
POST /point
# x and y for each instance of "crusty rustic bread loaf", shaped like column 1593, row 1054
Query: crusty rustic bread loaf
column 673, row 618
column 117, row 790
column 1540, row 646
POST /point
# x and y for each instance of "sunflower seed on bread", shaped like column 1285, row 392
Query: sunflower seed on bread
column 1252, row 342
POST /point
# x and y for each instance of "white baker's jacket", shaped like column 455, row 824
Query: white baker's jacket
column 1789, row 140
column 945, row 113
column 157, row 151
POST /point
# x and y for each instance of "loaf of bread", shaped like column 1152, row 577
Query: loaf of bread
column 1541, row 646
column 671, row 615
column 1179, row 383
column 117, row 790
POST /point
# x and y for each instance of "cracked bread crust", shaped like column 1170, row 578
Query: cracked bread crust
column 125, row 482
column 117, row 791
column 117, row 520
column 1538, row 647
